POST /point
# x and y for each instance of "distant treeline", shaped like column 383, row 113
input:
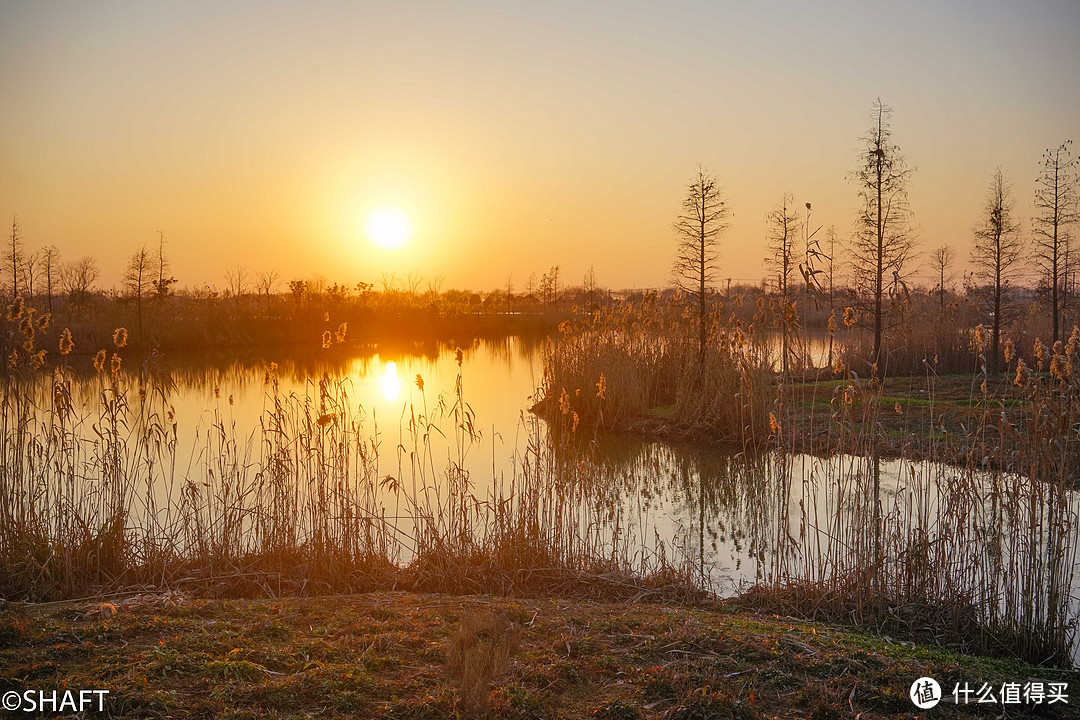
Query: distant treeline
column 313, row 314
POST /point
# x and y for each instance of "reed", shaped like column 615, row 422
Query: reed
column 313, row 500
column 616, row 366
column 982, row 550
column 987, row 547
column 319, row 499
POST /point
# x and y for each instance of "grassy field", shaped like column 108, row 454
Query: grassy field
column 404, row 655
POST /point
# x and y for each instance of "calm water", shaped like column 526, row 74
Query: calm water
column 733, row 518
column 713, row 510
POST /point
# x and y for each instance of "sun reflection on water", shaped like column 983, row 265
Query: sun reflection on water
column 390, row 383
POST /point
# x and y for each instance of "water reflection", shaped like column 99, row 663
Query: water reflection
column 390, row 384
column 733, row 518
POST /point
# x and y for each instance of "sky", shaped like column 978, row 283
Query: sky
column 514, row 135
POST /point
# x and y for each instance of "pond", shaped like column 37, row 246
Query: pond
column 443, row 421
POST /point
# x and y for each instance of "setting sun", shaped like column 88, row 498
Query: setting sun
column 388, row 228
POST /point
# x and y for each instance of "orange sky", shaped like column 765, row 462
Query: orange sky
column 516, row 135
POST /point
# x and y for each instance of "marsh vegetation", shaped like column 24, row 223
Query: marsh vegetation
column 899, row 457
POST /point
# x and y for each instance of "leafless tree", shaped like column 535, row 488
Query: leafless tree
column 819, row 273
column 883, row 239
column 163, row 284
column 434, row 287
column 387, row 280
column 139, row 279
column 29, row 267
column 50, row 258
column 13, row 255
column 265, row 284
column 1067, row 287
column 316, row 284
column 997, row 251
column 1055, row 210
column 236, row 280
column 549, row 286
column 942, row 260
column 78, row 278
column 588, row 285
column 411, row 283
column 705, row 215
column 782, row 233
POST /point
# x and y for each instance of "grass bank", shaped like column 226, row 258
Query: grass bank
column 403, row 655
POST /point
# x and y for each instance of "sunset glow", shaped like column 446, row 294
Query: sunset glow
column 389, row 228
column 568, row 131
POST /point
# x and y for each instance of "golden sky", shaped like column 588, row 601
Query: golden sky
column 515, row 135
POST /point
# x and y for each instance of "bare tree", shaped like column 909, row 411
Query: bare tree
column 942, row 260
column 236, row 280
column 78, row 278
column 1055, row 211
column 434, row 288
column 883, row 239
column 1068, row 279
column 50, row 257
column 266, row 283
column 316, row 284
column 820, row 272
column 13, row 255
column 997, row 251
column 588, row 285
column 705, row 215
column 411, row 283
column 783, row 231
column 29, row 266
column 163, row 284
column 139, row 279
column 549, row 286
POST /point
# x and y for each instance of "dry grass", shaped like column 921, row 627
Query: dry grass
column 850, row 538
column 612, row 366
column 90, row 504
column 990, row 542
column 478, row 652
column 93, row 503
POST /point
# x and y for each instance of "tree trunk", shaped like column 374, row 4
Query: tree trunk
column 880, row 259
column 701, row 288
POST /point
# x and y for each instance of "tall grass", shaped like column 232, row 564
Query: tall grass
column 315, row 499
column 988, row 546
column 318, row 498
column 984, row 549
column 620, row 366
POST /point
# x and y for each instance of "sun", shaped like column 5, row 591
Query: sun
column 388, row 227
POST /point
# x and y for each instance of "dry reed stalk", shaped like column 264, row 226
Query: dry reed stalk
column 478, row 652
